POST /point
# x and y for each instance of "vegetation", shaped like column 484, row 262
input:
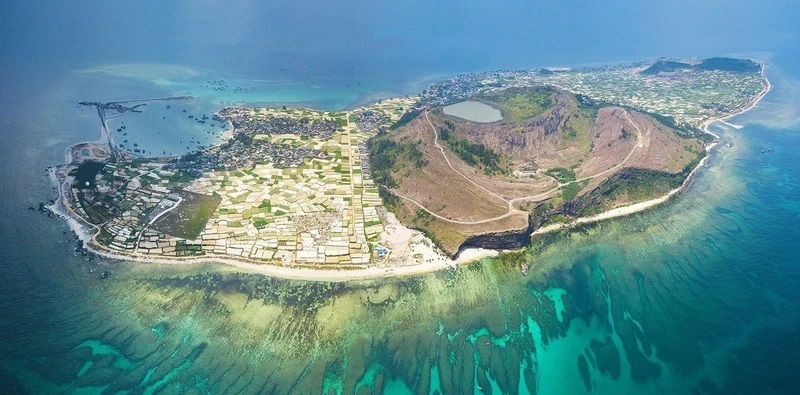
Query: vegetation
column 244, row 138
column 382, row 157
column 721, row 64
column 666, row 66
column 385, row 153
column 183, row 249
column 96, row 214
column 473, row 154
column 189, row 219
column 586, row 102
column 729, row 64
column 569, row 191
column 259, row 223
column 422, row 217
column 561, row 174
column 576, row 127
column 632, row 185
column 682, row 129
column 86, row 173
column 407, row 117
column 415, row 155
column 389, row 199
column 519, row 104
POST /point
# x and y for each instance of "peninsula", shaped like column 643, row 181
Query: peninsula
column 475, row 164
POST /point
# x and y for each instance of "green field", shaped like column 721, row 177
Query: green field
column 561, row 174
column 519, row 104
column 189, row 219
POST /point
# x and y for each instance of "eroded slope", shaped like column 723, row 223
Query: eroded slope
column 456, row 179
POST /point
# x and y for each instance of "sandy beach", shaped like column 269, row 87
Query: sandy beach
column 642, row 206
column 403, row 242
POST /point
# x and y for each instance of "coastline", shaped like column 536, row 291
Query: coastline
column 86, row 233
column 648, row 204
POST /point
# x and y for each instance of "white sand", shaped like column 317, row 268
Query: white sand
column 641, row 206
column 403, row 242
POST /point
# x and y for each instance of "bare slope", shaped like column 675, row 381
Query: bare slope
column 551, row 151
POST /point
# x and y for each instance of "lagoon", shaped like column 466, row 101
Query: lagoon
column 474, row 111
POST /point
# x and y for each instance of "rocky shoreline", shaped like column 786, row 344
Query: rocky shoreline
column 514, row 239
column 472, row 249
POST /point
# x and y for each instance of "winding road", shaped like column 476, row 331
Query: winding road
column 152, row 221
column 511, row 209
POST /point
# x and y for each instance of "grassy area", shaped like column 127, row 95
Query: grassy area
column 576, row 127
column 190, row 217
column 95, row 213
column 561, row 174
column 569, row 191
column 519, row 104
column 471, row 153
column 385, row 154
column 260, row 223
column 630, row 186
column 441, row 233
column 182, row 249
column 86, row 172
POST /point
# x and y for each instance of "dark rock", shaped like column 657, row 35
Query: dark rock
column 507, row 240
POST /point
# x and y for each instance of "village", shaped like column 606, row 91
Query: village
column 689, row 96
column 291, row 187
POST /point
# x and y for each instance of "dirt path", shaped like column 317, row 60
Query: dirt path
column 511, row 209
column 436, row 143
column 152, row 221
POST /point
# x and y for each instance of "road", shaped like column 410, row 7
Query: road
column 152, row 221
column 511, row 209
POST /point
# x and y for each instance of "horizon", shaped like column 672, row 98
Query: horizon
column 373, row 40
column 583, row 243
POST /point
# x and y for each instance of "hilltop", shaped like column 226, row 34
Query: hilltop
column 708, row 64
column 729, row 64
column 554, row 156
column 666, row 66
column 477, row 160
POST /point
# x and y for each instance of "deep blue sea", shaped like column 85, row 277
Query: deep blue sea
column 701, row 295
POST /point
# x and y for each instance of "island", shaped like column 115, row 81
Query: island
column 473, row 165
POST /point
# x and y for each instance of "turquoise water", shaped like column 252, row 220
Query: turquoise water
column 168, row 128
column 699, row 295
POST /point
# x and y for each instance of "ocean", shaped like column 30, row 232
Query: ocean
column 699, row 295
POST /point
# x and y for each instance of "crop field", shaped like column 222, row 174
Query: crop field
column 189, row 219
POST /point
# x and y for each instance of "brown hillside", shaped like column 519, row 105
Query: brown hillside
column 485, row 178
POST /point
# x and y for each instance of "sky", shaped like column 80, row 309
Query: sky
column 257, row 38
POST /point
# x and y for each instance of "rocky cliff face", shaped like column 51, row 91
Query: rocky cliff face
column 629, row 183
column 507, row 240
column 601, row 198
column 563, row 126
column 552, row 122
column 544, row 129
